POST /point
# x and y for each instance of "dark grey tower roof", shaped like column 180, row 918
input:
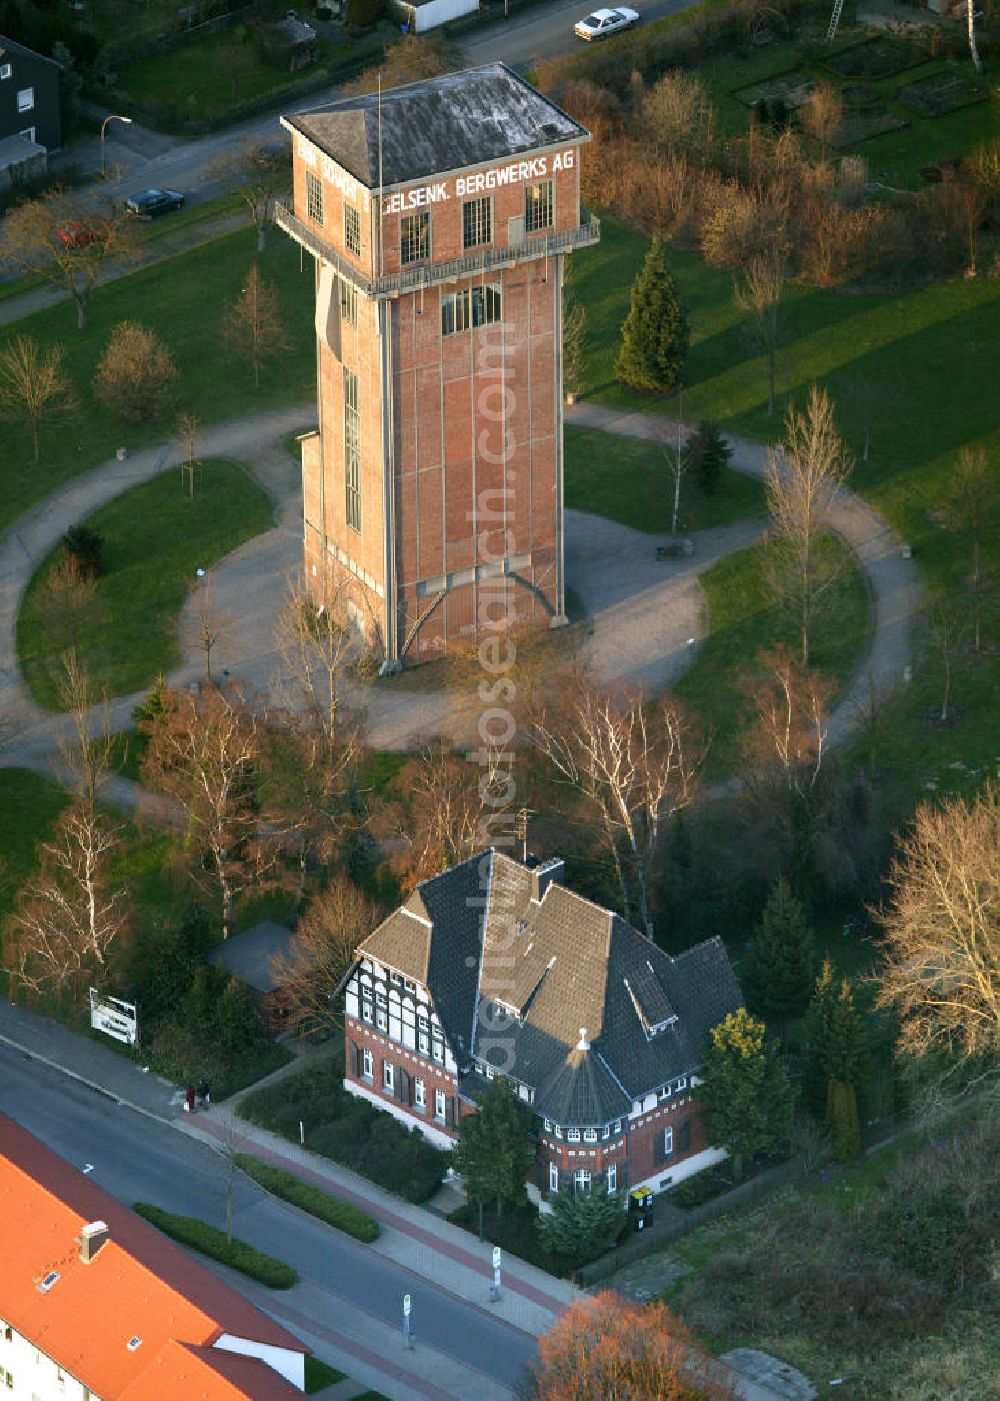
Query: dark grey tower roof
column 439, row 124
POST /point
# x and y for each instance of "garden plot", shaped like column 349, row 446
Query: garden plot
column 880, row 57
column 792, row 87
column 862, row 125
column 940, row 93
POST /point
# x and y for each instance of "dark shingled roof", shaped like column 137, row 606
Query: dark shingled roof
column 437, row 125
column 529, row 977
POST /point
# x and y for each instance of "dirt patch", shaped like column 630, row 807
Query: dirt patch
column 793, row 87
column 875, row 58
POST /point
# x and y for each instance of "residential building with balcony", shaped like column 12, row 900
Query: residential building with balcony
column 496, row 968
column 440, row 216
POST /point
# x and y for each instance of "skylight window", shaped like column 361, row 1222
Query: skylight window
column 133, row 1343
column 50, row 1279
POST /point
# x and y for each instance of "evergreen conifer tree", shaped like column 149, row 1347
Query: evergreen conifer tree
column 781, row 966
column 708, row 454
column 835, row 1041
column 655, row 333
column 842, row 1117
column 748, row 1097
column 493, row 1154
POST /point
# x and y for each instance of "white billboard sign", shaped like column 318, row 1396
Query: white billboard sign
column 114, row 1017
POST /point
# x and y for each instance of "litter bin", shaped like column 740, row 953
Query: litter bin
column 640, row 1207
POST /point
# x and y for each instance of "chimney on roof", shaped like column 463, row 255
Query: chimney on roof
column 583, row 1044
column 548, row 873
column 92, row 1237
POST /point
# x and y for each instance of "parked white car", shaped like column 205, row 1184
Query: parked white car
column 603, row 23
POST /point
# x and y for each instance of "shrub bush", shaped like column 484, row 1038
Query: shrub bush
column 349, row 1130
column 304, row 1195
column 85, row 549
column 135, row 377
column 209, row 1240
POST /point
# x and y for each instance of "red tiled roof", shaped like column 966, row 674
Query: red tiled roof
column 207, row 1374
column 138, row 1285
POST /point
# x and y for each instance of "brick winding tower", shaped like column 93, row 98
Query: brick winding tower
column 439, row 215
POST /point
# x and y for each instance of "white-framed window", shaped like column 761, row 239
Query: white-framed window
column 572, row 1135
column 314, row 197
column 5, row 71
column 26, row 99
column 369, row 1065
column 681, row 1084
column 352, row 484
column 590, row 1135
column 546, row 1124
column 553, row 1177
column 606, row 1131
column 415, row 237
column 491, row 1073
column 581, row 1179
column 437, row 1047
column 439, row 1110
column 557, row 1131
column 28, row 133
column 419, row 1093
column 475, row 306
column 612, row 1178
column 668, row 1142
column 538, row 206
column 477, row 222
column 664, row 1093
column 423, row 1034
column 408, row 983
column 387, row 1076
column 395, row 977
column 352, row 230
column 367, row 1006
column 618, row 1126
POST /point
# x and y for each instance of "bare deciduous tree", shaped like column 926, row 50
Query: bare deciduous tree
column 188, row 425
column 802, row 481
column 758, row 291
column 441, row 810
column 33, row 384
column 947, row 622
column 679, row 116
column 136, row 374
column 316, row 648
column 69, row 916
column 211, row 624
column 822, row 114
column 252, row 324
column 205, row 752
column 975, row 510
column 260, row 174
column 635, row 764
column 86, row 752
column 942, row 931
column 321, row 949
column 789, row 740
column 58, row 238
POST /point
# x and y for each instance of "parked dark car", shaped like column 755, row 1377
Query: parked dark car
column 150, row 204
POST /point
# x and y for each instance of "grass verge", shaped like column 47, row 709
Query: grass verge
column 210, row 1241
column 320, row 1375
column 316, row 1202
column 746, row 618
column 183, row 299
column 155, row 538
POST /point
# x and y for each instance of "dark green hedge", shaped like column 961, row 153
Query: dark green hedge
column 304, row 1195
column 212, row 1242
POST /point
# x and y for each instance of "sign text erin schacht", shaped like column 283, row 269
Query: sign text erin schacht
column 535, row 169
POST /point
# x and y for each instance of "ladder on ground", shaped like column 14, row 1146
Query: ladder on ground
column 831, row 30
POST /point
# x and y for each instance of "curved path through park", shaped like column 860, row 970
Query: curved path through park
column 645, row 616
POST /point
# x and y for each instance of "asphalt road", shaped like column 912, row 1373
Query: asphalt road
column 344, row 1288
column 149, row 159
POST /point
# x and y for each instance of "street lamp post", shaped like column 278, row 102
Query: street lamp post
column 111, row 117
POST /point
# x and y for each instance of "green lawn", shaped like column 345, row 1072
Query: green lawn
column 155, row 539
column 29, row 806
column 932, row 348
column 744, row 619
column 183, row 299
column 627, row 480
column 194, row 81
column 320, row 1375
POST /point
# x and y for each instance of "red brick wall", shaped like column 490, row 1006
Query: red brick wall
column 645, row 1139
column 434, row 1076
